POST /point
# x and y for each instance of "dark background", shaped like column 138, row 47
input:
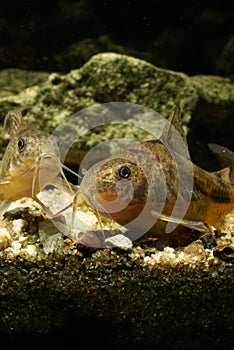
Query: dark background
column 193, row 37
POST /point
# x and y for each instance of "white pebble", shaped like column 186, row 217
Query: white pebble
column 18, row 225
column 31, row 250
column 119, row 241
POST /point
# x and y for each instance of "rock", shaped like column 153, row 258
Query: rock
column 225, row 253
column 107, row 77
column 195, row 249
column 54, row 243
column 5, row 238
column 212, row 118
column 46, row 230
column 75, row 55
column 225, row 62
column 18, row 225
column 214, row 90
column 119, row 241
column 111, row 77
column 13, row 80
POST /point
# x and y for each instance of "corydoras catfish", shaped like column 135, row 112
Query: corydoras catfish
column 154, row 186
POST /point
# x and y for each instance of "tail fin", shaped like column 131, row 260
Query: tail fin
column 225, row 157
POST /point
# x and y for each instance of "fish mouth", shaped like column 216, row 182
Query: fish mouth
column 121, row 212
column 42, row 170
column 110, row 203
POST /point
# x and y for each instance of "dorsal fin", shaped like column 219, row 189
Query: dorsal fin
column 173, row 133
column 225, row 157
column 12, row 122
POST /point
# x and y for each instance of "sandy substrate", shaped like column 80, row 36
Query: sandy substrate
column 53, row 289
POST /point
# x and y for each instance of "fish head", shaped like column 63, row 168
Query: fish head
column 126, row 184
column 28, row 148
column 117, row 186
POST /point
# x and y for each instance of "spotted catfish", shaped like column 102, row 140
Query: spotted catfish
column 155, row 182
column 28, row 151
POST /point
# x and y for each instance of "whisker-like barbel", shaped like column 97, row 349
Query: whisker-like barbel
column 77, row 199
column 30, row 163
column 169, row 191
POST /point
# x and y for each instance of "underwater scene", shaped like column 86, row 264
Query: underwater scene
column 117, row 174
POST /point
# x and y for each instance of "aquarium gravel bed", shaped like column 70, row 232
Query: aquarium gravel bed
column 118, row 299
column 54, row 290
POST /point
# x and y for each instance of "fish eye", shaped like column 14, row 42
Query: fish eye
column 123, row 171
column 21, row 143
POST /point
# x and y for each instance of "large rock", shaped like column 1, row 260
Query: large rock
column 212, row 117
column 225, row 62
column 13, row 80
column 206, row 101
column 107, row 77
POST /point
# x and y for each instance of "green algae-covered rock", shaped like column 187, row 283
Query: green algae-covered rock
column 14, row 80
column 212, row 119
column 106, row 77
column 225, row 62
column 46, row 101
column 214, row 90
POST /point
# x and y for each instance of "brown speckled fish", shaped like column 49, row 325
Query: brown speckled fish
column 159, row 174
column 28, row 150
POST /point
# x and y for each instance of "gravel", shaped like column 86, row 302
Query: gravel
column 54, row 288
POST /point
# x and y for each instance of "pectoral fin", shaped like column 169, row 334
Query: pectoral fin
column 192, row 224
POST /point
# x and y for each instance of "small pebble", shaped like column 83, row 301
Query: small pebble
column 18, row 225
column 54, row 243
column 5, row 239
column 31, row 250
column 119, row 241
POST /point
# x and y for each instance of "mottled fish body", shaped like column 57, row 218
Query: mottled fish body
column 160, row 175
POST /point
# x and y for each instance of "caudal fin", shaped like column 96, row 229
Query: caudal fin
column 225, row 157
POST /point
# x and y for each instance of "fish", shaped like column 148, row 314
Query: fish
column 154, row 188
column 30, row 162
